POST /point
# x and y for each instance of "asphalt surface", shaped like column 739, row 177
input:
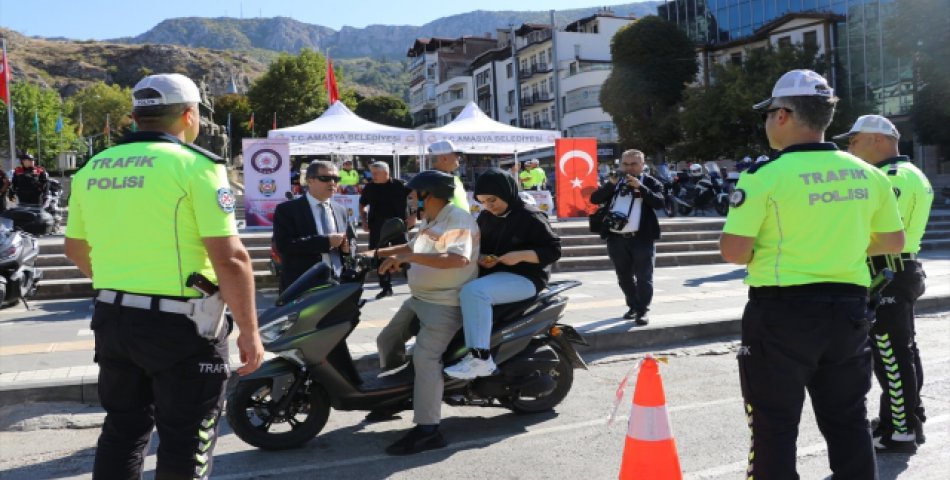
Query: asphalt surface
column 39, row 441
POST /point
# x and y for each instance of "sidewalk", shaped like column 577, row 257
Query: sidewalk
column 690, row 303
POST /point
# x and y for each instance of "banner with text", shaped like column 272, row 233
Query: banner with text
column 542, row 200
column 575, row 176
column 266, row 178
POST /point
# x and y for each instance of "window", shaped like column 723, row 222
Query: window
column 736, row 58
column 511, row 98
column 551, row 84
column 810, row 39
column 785, row 41
column 509, row 70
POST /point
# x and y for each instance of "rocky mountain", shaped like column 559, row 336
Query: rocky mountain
column 378, row 41
column 67, row 65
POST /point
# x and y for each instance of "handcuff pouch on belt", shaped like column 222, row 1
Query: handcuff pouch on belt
column 208, row 313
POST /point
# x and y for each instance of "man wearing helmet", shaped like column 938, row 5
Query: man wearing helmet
column 29, row 181
column 442, row 256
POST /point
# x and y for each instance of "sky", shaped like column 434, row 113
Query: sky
column 103, row 19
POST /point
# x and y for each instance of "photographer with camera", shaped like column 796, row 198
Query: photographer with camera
column 631, row 230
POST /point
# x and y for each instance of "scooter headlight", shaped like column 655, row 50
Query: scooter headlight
column 273, row 330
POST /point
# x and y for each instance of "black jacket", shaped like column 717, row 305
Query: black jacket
column 523, row 228
column 296, row 238
column 651, row 190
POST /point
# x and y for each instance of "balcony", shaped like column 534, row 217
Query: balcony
column 537, row 36
column 527, row 101
column 525, row 73
column 541, row 68
column 423, row 117
column 542, row 97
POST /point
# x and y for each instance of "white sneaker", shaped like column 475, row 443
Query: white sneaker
column 470, row 367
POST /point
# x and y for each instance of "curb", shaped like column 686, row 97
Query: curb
column 617, row 338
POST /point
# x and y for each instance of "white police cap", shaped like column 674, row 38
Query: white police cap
column 798, row 83
column 871, row 124
column 443, row 147
column 174, row 88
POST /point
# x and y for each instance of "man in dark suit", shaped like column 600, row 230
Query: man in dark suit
column 632, row 230
column 312, row 228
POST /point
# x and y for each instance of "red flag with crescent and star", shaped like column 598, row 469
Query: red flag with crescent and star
column 575, row 163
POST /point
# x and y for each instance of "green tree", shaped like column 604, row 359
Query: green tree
column 239, row 108
column 97, row 102
column 34, row 105
column 653, row 61
column 717, row 120
column 387, row 110
column 294, row 87
column 918, row 31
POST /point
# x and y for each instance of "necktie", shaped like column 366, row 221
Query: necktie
column 335, row 261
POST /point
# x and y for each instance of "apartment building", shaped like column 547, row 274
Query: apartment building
column 440, row 77
column 496, row 81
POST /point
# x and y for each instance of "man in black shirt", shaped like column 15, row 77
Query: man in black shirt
column 386, row 198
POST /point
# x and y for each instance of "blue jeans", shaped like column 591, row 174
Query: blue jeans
column 477, row 298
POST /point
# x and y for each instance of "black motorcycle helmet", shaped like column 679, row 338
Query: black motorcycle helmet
column 25, row 156
column 433, row 182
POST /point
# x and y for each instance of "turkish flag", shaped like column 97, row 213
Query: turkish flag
column 575, row 160
column 4, row 79
column 331, row 83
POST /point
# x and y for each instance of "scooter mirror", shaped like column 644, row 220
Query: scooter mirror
column 391, row 229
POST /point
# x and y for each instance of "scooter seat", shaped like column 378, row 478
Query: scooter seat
column 507, row 312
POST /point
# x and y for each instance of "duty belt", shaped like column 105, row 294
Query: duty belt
column 145, row 302
column 895, row 262
column 808, row 290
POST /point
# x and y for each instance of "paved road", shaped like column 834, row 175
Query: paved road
column 53, row 342
column 701, row 382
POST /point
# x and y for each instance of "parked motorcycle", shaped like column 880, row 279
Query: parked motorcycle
column 18, row 272
column 287, row 401
column 53, row 204
column 665, row 175
column 719, row 187
column 32, row 219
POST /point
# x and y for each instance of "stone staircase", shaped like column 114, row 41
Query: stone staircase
column 685, row 241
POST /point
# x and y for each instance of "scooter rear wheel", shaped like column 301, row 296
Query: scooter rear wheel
column 251, row 413
column 563, row 375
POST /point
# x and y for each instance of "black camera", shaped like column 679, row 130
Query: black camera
column 615, row 221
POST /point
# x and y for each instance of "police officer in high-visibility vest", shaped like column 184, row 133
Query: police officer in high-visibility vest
column 349, row 178
column 804, row 222
column 446, row 159
column 151, row 221
column 897, row 365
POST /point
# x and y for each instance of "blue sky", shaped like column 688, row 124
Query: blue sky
column 101, row 19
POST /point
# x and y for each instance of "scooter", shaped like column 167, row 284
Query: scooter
column 18, row 272
column 287, row 401
column 53, row 204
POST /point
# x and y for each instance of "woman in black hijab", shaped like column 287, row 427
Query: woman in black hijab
column 517, row 247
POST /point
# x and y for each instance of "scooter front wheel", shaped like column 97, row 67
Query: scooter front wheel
column 563, row 375
column 256, row 418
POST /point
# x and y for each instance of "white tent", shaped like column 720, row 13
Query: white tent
column 340, row 131
column 474, row 132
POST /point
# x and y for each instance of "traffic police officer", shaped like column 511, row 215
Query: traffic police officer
column 804, row 223
column 30, row 181
column 447, row 159
column 143, row 216
column 897, row 365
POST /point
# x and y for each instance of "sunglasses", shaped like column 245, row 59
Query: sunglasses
column 327, row 178
column 765, row 114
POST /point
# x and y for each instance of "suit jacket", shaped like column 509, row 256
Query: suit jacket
column 651, row 190
column 297, row 240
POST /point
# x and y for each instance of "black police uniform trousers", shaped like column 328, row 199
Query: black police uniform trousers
column 156, row 371
column 813, row 338
column 634, row 260
column 897, row 363
column 385, row 281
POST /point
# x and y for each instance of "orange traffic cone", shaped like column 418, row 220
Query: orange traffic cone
column 650, row 451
